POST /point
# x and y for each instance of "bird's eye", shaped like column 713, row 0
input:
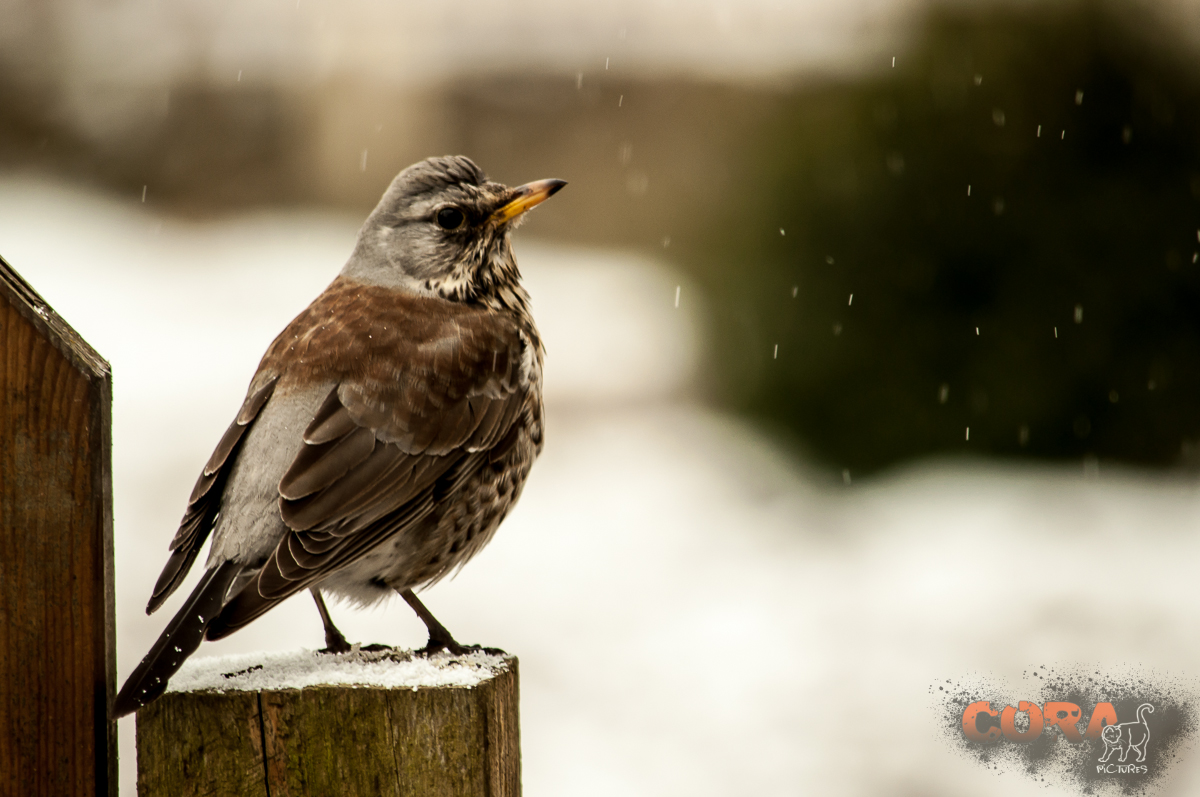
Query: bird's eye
column 450, row 218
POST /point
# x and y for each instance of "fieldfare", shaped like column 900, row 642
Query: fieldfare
column 387, row 432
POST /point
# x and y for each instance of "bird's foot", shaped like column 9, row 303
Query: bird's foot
column 454, row 649
column 335, row 642
column 439, row 638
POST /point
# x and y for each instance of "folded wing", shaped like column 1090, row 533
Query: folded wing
column 386, row 447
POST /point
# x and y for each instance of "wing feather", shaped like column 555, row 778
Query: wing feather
column 318, row 466
column 330, row 423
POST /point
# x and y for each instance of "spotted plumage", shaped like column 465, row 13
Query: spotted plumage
column 387, row 432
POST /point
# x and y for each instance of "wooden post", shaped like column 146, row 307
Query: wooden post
column 57, row 647
column 350, row 741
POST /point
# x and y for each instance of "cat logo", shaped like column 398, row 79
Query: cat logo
column 1127, row 737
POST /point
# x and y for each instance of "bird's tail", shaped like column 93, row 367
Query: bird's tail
column 179, row 640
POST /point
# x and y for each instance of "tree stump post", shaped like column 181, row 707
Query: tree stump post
column 57, row 644
column 352, row 741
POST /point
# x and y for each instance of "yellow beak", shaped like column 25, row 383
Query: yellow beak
column 525, row 197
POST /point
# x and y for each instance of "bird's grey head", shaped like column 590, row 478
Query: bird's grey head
column 442, row 228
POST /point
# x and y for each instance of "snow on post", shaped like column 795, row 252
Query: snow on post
column 361, row 723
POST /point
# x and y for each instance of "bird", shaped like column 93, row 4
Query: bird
column 387, row 432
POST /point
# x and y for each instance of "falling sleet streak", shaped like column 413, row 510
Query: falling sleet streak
column 677, row 288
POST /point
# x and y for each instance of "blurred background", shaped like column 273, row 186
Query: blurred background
column 873, row 337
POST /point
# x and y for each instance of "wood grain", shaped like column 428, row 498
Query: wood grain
column 57, row 647
column 349, row 741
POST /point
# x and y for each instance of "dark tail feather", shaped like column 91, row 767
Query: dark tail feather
column 179, row 640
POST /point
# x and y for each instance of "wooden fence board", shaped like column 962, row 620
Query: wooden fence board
column 57, row 645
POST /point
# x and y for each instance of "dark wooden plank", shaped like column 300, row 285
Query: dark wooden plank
column 57, row 642
column 349, row 741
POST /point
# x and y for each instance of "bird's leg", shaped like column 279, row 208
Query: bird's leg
column 334, row 641
column 439, row 637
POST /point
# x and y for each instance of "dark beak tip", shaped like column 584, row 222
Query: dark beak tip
column 555, row 186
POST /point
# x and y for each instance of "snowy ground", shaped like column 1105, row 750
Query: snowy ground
column 694, row 613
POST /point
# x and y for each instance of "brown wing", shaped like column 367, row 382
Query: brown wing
column 385, row 447
column 205, row 501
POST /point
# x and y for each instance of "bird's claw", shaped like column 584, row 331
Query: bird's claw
column 455, row 649
column 335, row 642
